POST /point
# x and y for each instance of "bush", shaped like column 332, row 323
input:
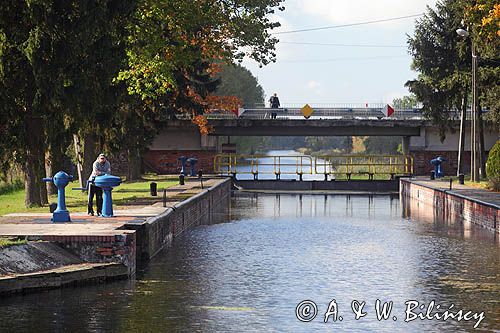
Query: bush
column 6, row 188
column 493, row 167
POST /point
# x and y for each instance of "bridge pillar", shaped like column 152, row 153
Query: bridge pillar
column 405, row 145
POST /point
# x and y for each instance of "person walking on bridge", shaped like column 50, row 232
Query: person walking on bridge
column 275, row 104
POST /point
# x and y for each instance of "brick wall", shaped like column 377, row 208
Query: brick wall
column 166, row 161
column 116, row 248
column 158, row 232
column 450, row 207
column 422, row 165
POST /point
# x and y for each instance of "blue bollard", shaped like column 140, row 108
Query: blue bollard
column 192, row 164
column 183, row 160
column 438, row 172
column 60, row 180
column 107, row 182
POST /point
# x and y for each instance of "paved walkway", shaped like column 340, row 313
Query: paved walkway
column 485, row 196
column 39, row 224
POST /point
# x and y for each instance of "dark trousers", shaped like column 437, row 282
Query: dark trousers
column 98, row 199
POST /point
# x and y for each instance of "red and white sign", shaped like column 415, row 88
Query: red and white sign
column 388, row 110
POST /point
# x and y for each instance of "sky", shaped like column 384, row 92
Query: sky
column 329, row 74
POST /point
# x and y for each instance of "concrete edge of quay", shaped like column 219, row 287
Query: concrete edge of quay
column 452, row 205
column 71, row 275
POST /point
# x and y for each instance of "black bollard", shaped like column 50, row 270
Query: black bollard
column 451, row 181
column 433, row 175
column 181, row 179
column 153, row 189
column 52, row 207
column 164, row 198
column 200, row 177
column 461, row 179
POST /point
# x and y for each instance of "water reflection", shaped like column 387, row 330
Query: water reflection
column 248, row 275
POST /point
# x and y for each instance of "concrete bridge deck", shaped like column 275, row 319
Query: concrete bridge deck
column 309, row 127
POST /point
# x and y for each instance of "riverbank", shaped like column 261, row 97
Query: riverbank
column 458, row 203
column 91, row 248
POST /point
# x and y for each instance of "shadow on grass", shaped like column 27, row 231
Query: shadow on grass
column 130, row 191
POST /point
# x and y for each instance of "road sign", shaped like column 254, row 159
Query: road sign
column 388, row 110
column 307, row 111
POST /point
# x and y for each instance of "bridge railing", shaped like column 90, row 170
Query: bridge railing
column 337, row 113
column 323, row 113
column 371, row 165
column 332, row 165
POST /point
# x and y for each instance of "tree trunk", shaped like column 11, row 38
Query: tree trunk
column 134, row 164
column 79, row 161
column 32, row 192
column 89, row 154
column 33, row 167
column 49, row 172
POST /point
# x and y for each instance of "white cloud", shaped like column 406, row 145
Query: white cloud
column 311, row 84
column 353, row 11
column 314, row 87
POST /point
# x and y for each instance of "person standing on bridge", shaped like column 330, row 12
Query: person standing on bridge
column 275, row 104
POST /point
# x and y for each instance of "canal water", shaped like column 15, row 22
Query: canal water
column 270, row 253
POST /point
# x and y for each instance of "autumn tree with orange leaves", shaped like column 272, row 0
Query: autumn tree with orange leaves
column 175, row 47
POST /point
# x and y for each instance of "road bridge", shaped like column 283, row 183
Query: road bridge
column 420, row 138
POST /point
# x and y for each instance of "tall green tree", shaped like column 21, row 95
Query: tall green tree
column 236, row 80
column 442, row 59
column 171, row 36
column 58, row 60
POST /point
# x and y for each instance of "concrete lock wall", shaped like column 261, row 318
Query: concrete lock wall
column 450, row 207
column 158, row 232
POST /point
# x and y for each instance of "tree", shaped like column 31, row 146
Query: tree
column 22, row 122
column 406, row 102
column 483, row 18
column 58, row 62
column 236, row 80
column 382, row 144
column 172, row 37
column 442, row 59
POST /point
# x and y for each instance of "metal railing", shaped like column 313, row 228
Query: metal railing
column 323, row 113
column 337, row 113
column 332, row 165
column 371, row 165
column 233, row 164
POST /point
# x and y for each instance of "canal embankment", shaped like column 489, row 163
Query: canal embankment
column 458, row 203
column 91, row 248
column 158, row 232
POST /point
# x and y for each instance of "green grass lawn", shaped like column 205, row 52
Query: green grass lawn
column 483, row 184
column 6, row 242
column 76, row 201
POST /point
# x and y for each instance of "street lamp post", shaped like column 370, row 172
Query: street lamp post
column 475, row 155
